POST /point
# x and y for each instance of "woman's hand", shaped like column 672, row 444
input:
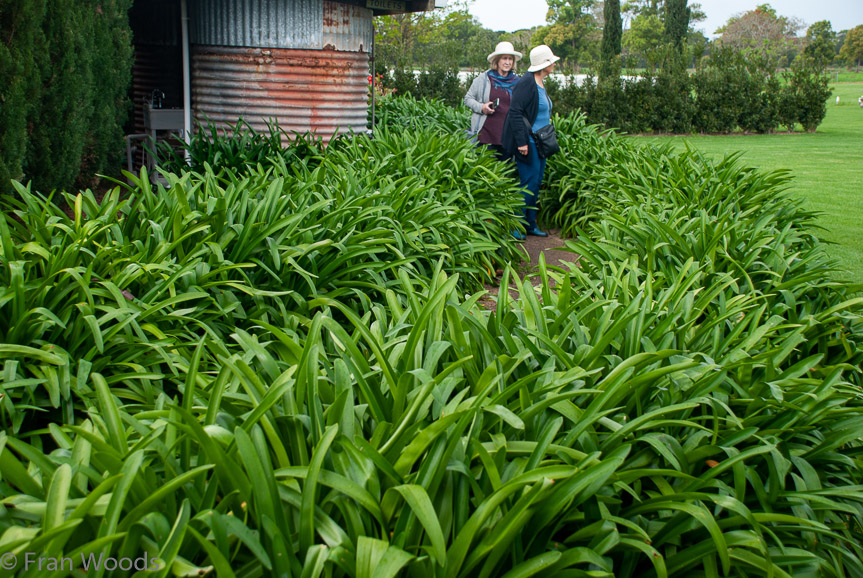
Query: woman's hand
column 487, row 108
column 523, row 150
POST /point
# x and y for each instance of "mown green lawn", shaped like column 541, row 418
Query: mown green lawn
column 827, row 167
column 846, row 75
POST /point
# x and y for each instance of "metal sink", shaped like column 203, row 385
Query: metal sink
column 163, row 118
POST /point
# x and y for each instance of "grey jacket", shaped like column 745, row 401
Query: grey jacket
column 476, row 96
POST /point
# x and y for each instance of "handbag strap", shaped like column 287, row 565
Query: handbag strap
column 527, row 124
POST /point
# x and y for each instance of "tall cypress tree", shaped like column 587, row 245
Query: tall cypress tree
column 611, row 36
column 677, row 15
column 104, row 148
column 82, row 58
column 62, row 115
column 20, row 40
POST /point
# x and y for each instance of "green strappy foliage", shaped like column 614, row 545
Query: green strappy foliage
column 263, row 371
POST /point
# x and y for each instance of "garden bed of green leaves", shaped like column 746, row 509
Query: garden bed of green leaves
column 277, row 364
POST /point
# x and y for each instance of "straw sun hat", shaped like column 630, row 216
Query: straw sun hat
column 504, row 48
column 541, row 57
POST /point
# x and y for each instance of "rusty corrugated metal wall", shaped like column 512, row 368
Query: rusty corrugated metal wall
column 303, row 63
column 324, row 91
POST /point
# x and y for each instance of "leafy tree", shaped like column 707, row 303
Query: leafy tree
column 396, row 38
column 852, row 48
column 522, row 40
column 764, row 30
column 572, row 30
column 634, row 8
column 821, row 43
column 840, row 40
column 611, row 41
column 439, row 39
column 648, row 30
column 644, row 37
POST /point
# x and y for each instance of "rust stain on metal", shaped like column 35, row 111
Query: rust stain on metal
column 337, row 15
column 303, row 90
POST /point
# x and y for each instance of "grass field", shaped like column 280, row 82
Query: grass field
column 846, row 75
column 827, row 167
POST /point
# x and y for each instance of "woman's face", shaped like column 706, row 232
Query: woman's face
column 505, row 64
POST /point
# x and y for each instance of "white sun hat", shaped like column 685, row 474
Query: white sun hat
column 504, row 48
column 541, row 57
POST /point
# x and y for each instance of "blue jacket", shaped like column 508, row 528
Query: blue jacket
column 525, row 104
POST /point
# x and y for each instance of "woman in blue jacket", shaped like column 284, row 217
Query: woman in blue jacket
column 529, row 110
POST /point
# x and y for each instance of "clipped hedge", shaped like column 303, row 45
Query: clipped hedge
column 730, row 91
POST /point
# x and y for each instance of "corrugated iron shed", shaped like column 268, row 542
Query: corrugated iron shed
column 301, row 63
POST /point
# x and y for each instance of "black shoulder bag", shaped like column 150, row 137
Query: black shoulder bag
column 545, row 138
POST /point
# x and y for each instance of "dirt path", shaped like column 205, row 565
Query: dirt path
column 534, row 246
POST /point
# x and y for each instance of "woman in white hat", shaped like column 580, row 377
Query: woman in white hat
column 530, row 107
column 489, row 96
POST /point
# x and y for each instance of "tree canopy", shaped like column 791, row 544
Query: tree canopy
column 572, row 31
column 852, row 48
column 439, row 38
column 821, row 42
column 762, row 29
column 654, row 23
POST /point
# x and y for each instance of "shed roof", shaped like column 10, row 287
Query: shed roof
column 380, row 7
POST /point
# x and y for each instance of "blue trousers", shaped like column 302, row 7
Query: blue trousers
column 530, row 172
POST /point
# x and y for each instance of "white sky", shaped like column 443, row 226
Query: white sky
column 511, row 15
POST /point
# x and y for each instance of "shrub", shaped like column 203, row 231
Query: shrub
column 237, row 148
column 588, row 156
column 806, row 92
column 672, row 100
column 437, row 82
column 584, row 431
column 611, row 106
column 717, row 105
column 568, row 96
column 639, row 95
